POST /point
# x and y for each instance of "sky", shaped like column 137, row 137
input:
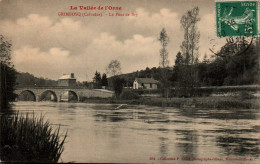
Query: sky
column 48, row 45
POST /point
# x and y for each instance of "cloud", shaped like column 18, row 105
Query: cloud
column 42, row 63
column 135, row 53
column 43, row 32
column 49, row 47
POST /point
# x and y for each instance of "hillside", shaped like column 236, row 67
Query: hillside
column 27, row 79
column 147, row 73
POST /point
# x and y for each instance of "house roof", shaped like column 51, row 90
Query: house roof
column 146, row 80
column 65, row 77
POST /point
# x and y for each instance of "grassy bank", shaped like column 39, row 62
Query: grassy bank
column 204, row 102
column 29, row 139
column 219, row 102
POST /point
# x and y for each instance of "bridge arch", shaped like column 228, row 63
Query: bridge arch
column 24, row 91
column 53, row 96
column 75, row 94
column 66, row 95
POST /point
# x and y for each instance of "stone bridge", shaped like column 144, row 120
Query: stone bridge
column 58, row 91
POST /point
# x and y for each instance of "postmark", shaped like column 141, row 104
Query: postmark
column 237, row 18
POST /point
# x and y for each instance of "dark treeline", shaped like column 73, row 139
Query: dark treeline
column 231, row 69
column 27, row 79
column 99, row 81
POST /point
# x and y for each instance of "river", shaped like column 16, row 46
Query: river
column 99, row 133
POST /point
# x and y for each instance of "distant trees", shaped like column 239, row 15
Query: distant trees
column 99, row 81
column 27, row 79
column 7, row 74
column 237, row 68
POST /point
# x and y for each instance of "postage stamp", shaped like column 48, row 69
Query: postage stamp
column 237, row 18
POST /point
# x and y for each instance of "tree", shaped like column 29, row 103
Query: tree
column 97, row 80
column 176, row 68
column 179, row 59
column 7, row 75
column 240, row 61
column 164, row 62
column 5, row 52
column 118, row 85
column 114, row 68
column 190, row 45
column 104, row 81
column 188, row 78
column 164, row 40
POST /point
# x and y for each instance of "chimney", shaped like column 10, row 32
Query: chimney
column 72, row 75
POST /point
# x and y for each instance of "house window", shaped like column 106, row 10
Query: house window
column 151, row 85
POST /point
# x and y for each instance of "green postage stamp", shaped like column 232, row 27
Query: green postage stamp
column 237, row 18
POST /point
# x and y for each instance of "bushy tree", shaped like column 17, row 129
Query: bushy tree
column 118, row 85
column 114, row 68
column 7, row 75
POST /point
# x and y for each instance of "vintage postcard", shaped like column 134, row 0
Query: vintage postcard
column 130, row 81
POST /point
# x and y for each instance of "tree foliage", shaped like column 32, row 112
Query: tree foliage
column 104, row 81
column 114, row 68
column 164, row 63
column 7, row 74
column 5, row 51
column 186, row 61
column 164, row 40
column 118, row 85
column 27, row 79
column 97, row 80
column 190, row 44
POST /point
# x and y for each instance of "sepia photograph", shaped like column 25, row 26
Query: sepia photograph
column 130, row 81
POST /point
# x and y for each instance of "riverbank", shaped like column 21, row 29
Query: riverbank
column 219, row 102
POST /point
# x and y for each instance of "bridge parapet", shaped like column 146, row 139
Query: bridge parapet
column 58, row 91
column 49, row 87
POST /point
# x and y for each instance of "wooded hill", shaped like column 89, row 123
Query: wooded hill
column 27, row 79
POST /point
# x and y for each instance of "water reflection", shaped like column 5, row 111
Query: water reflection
column 233, row 145
column 99, row 133
column 111, row 116
column 188, row 143
column 163, row 144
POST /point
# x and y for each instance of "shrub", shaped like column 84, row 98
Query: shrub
column 26, row 139
column 118, row 85
column 129, row 95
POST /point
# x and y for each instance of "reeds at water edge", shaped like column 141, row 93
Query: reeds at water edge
column 30, row 139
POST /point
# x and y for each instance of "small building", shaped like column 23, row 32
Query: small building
column 145, row 83
column 67, row 80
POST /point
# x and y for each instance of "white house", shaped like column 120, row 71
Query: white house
column 145, row 83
